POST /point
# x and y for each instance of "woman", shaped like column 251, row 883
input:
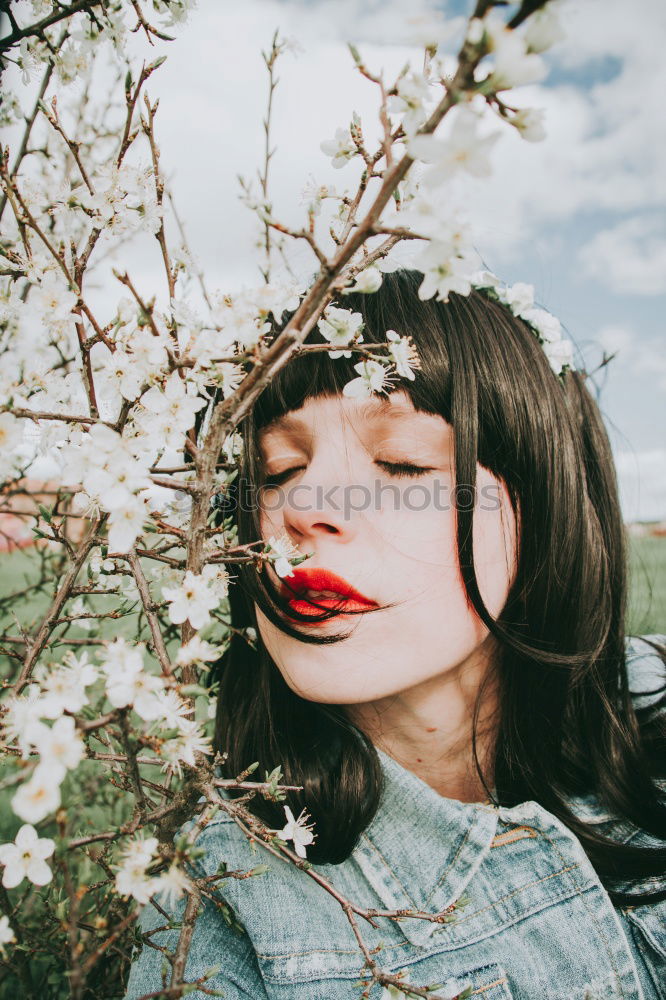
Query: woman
column 447, row 677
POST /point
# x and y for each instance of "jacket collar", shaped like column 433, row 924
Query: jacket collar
column 420, row 850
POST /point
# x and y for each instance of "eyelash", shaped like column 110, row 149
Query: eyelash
column 399, row 469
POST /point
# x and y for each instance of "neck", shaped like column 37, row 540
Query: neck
column 428, row 728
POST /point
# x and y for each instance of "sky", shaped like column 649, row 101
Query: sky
column 579, row 215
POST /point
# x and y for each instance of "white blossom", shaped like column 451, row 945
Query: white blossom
column 530, row 124
column 25, row 858
column 78, row 609
column 7, row 935
column 197, row 650
column 341, row 327
column 558, row 349
column 547, row 325
column 60, row 747
column 10, row 110
column 170, row 886
column 183, row 314
column 129, row 376
column 11, row 432
column 107, row 466
column 127, row 683
column 102, row 571
column 367, row 281
column 125, row 524
column 11, row 437
column 226, row 376
column 22, row 711
column 240, row 321
column 373, row 377
column 285, row 550
column 71, row 61
column 519, row 298
column 172, row 709
column 170, row 410
column 124, row 201
column 275, row 299
column 476, row 30
column 313, row 194
column 559, row 354
column 139, row 690
column 131, row 876
column 403, row 354
column 514, row 64
column 543, row 29
column 134, row 882
column 53, row 298
column 485, row 279
column 447, row 263
column 428, row 216
column 140, row 851
column 192, row 601
column 413, row 93
column 217, row 579
column 341, row 148
column 178, row 10
column 38, row 797
column 463, row 149
column 392, row 992
column 190, row 741
column 297, row 831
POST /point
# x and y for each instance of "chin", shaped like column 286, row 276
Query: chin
column 328, row 681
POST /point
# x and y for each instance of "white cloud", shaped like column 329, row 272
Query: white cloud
column 629, row 257
column 642, row 478
column 600, row 153
column 614, row 339
column 379, row 22
column 634, row 354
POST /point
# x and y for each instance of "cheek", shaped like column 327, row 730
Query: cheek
column 495, row 542
column 418, row 542
column 271, row 519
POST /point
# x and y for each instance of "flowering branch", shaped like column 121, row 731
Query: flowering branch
column 105, row 677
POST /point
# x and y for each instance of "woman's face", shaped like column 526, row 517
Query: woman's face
column 366, row 487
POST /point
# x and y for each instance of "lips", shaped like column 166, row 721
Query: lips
column 327, row 589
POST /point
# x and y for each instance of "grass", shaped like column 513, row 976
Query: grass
column 20, row 569
column 647, row 586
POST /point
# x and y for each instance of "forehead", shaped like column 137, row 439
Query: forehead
column 396, row 407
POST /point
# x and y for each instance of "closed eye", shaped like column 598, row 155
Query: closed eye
column 400, row 469
column 404, row 468
column 277, row 478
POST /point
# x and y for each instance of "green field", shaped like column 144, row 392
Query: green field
column 647, row 586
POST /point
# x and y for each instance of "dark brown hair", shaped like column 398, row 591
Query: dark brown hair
column 567, row 723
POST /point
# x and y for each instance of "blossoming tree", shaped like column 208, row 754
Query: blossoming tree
column 106, row 711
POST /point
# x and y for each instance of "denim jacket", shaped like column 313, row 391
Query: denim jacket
column 537, row 924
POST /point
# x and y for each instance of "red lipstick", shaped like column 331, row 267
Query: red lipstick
column 315, row 585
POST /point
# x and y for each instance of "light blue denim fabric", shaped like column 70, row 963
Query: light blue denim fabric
column 538, row 925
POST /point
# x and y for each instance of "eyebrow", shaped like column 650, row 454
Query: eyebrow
column 369, row 409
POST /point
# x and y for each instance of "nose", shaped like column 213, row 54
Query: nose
column 318, row 503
